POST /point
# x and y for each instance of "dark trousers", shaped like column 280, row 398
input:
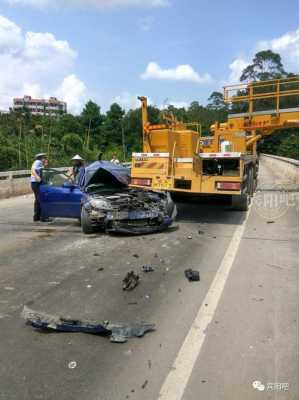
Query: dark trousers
column 37, row 209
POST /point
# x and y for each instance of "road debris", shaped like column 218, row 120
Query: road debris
column 191, row 275
column 144, row 384
column 148, row 268
column 117, row 332
column 72, row 364
column 130, row 281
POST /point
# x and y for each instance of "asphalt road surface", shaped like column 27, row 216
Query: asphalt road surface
column 233, row 335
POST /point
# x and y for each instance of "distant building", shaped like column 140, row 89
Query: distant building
column 50, row 107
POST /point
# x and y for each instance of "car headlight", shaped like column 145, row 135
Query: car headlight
column 100, row 204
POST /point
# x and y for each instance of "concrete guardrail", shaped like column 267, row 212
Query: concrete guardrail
column 288, row 166
column 16, row 183
column 284, row 159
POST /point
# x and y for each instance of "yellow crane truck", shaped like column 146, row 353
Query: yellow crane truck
column 176, row 157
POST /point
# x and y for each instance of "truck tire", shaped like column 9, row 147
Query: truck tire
column 241, row 202
column 86, row 224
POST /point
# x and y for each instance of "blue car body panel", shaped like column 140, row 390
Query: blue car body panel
column 65, row 201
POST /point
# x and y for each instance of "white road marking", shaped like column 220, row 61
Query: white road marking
column 176, row 382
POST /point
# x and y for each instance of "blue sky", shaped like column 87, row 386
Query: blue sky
column 173, row 51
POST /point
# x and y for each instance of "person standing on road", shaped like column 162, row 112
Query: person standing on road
column 36, row 180
column 78, row 165
column 114, row 160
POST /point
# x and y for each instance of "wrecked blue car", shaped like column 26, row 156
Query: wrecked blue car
column 103, row 199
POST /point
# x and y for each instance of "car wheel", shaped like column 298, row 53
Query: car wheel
column 86, row 224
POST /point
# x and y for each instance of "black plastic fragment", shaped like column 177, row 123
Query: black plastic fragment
column 191, row 275
column 130, row 281
column 148, row 268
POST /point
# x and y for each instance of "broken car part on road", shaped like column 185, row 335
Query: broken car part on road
column 130, row 281
column 118, row 332
column 191, row 275
column 148, row 268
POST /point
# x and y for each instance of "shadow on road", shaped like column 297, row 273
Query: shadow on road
column 209, row 210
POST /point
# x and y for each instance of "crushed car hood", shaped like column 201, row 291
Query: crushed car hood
column 105, row 172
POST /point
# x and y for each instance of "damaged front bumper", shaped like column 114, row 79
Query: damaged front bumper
column 147, row 214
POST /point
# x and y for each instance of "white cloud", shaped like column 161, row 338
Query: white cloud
column 182, row 72
column 10, row 35
column 35, row 64
column 127, row 100
column 32, row 89
column 286, row 45
column 92, row 3
column 74, row 92
column 39, row 45
column 179, row 104
column 236, row 69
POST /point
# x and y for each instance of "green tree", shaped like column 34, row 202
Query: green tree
column 8, row 156
column 113, row 125
column 72, row 143
column 91, row 116
column 216, row 102
column 92, row 119
column 265, row 65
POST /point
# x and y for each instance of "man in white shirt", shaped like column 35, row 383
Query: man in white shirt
column 36, row 180
column 114, row 160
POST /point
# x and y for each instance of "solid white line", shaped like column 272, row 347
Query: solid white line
column 175, row 383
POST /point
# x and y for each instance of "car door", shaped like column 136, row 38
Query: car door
column 59, row 197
